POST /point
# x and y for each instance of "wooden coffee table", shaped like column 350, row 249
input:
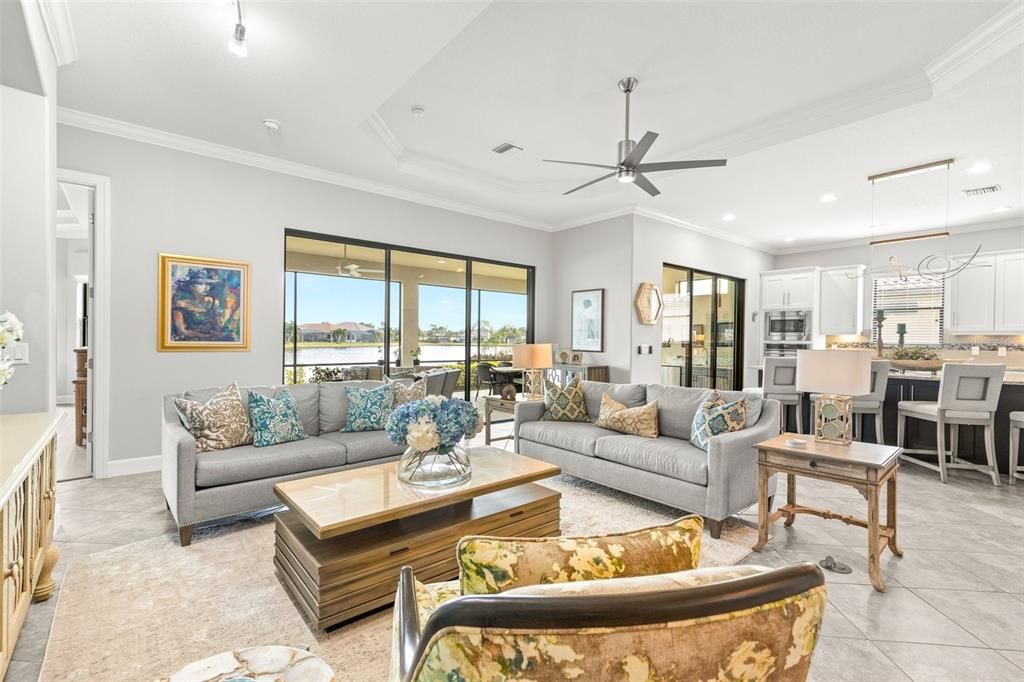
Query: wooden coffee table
column 341, row 543
column 865, row 466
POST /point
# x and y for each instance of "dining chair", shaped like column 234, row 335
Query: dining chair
column 485, row 377
column 968, row 396
column 779, row 383
column 1016, row 424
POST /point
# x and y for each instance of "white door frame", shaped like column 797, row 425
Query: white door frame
column 99, row 318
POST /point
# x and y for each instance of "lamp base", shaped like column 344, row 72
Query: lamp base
column 833, row 419
column 533, row 383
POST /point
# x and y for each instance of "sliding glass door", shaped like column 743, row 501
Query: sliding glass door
column 701, row 342
column 351, row 302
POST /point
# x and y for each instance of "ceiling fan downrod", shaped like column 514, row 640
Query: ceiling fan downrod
column 627, row 85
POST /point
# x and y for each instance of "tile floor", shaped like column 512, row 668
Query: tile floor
column 953, row 610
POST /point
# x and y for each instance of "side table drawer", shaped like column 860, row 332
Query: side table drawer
column 820, row 467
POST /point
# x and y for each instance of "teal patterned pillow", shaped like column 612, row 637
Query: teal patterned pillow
column 715, row 417
column 274, row 420
column 368, row 408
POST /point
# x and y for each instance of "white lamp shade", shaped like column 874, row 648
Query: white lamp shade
column 531, row 355
column 841, row 372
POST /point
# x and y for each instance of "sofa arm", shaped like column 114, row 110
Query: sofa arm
column 177, row 465
column 732, row 464
column 529, row 411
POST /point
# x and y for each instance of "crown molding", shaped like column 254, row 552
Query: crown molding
column 595, row 218
column 865, row 240
column 191, row 145
column 57, row 21
column 994, row 38
column 700, row 229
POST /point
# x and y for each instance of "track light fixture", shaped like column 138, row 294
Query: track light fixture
column 237, row 45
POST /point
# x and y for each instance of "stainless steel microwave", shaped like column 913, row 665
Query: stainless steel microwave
column 788, row 325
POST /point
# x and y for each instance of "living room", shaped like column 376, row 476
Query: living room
column 462, row 207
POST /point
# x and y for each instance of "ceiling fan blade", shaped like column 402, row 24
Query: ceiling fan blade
column 677, row 165
column 640, row 150
column 588, row 184
column 646, row 185
column 580, row 163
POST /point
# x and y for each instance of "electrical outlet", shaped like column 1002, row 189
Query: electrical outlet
column 975, row 350
column 1001, row 351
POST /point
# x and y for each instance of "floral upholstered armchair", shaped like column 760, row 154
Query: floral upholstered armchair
column 544, row 610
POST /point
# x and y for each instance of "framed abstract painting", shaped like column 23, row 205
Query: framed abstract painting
column 202, row 304
column 588, row 320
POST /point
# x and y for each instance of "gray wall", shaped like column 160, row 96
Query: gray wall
column 164, row 201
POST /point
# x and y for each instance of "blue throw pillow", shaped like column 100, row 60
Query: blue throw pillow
column 274, row 420
column 714, row 417
column 368, row 408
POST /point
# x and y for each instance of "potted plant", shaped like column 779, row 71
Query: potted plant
column 915, row 357
column 432, row 430
column 380, row 355
column 415, row 354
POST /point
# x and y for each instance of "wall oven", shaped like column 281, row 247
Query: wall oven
column 787, row 325
column 783, row 350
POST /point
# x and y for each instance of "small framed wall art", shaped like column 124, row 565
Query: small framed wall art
column 202, row 304
column 588, row 320
column 648, row 303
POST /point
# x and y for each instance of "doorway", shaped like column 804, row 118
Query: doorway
column 702, row 329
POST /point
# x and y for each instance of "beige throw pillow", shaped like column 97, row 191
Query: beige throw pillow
column 638, row 421
column 417, row 390
column 221, row 422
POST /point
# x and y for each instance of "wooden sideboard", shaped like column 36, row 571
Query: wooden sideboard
column 563, row 374
column 28, row 505
column 81, row 384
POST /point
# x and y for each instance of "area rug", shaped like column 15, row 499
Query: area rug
column 142, row 611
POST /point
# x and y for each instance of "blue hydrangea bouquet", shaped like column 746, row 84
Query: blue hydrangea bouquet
column 432, row 430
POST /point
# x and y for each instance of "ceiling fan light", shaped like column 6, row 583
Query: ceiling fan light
column 626, row 175
column 237, row 45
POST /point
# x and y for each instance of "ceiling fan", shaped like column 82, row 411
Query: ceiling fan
column 353, row 269
column 631, row 153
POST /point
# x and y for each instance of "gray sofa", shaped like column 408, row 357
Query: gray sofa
column 212, row 485
column 667, row 469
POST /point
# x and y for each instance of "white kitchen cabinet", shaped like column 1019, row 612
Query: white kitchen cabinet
column 1009, row 293
column 841, row 309
column 788, row 290
column 971, row 297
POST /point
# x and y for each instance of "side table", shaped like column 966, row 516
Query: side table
column 865, row 466
column 495, row 403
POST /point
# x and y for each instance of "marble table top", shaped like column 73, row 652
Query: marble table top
column 258, row 663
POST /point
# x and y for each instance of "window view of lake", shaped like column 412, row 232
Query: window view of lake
column 369, row 355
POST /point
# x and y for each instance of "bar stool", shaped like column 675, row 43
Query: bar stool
column 779, row 383
column 874, row 402
column 968, row 394
column 1016, row 424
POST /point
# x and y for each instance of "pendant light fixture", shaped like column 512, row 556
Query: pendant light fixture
column 237, row 45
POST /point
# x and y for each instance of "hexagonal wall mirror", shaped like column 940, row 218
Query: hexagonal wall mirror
column 648, row 303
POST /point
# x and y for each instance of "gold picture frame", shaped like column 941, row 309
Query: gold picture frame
column 203, row 304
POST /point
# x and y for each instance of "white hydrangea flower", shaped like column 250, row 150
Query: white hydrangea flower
column 6, row 372
column 422, row 435
column 6, row 337
column 13, row 325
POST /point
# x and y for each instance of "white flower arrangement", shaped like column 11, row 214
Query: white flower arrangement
column 11, row 331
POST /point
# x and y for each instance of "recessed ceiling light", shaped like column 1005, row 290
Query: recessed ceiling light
column 828, row 198
column 789, row 239
column 271, row 124
column 979, row 167
column 418, row 111
column 460, row 269
column 1000, row 209
column 440, row 260
column 729, row 217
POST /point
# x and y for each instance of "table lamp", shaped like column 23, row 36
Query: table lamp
column 534, row 358
column 835, row 376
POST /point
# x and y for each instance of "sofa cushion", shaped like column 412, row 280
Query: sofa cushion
column 677, row 406
column 564, row 404
column 630, row 395
column 666, row 456
column 217, row 422
column 274, row 420
column 362, row 446
column 638, row 421
column 248, row 463
column 578, row 437
column 334, row 403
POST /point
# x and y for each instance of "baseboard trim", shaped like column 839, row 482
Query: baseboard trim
column 135, row 465
column 63, row 400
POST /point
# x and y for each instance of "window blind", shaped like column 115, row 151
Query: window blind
column 916, row 302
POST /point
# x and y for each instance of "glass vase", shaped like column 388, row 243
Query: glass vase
column 435, row 468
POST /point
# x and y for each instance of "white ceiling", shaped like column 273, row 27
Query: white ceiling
column 803, row 98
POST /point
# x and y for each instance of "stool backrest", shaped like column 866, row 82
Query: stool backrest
column 970, row 386
column 879, row 380
column 779, row 375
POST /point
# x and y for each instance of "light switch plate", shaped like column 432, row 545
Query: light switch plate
column 19, row 353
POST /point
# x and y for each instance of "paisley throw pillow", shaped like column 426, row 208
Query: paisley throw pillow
column 407, row 393
column 564, row 404
column 488, row 565
column 274, row 420
column 715, row 416
column 221, row 422
column 368, row 408
column 638, row 421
